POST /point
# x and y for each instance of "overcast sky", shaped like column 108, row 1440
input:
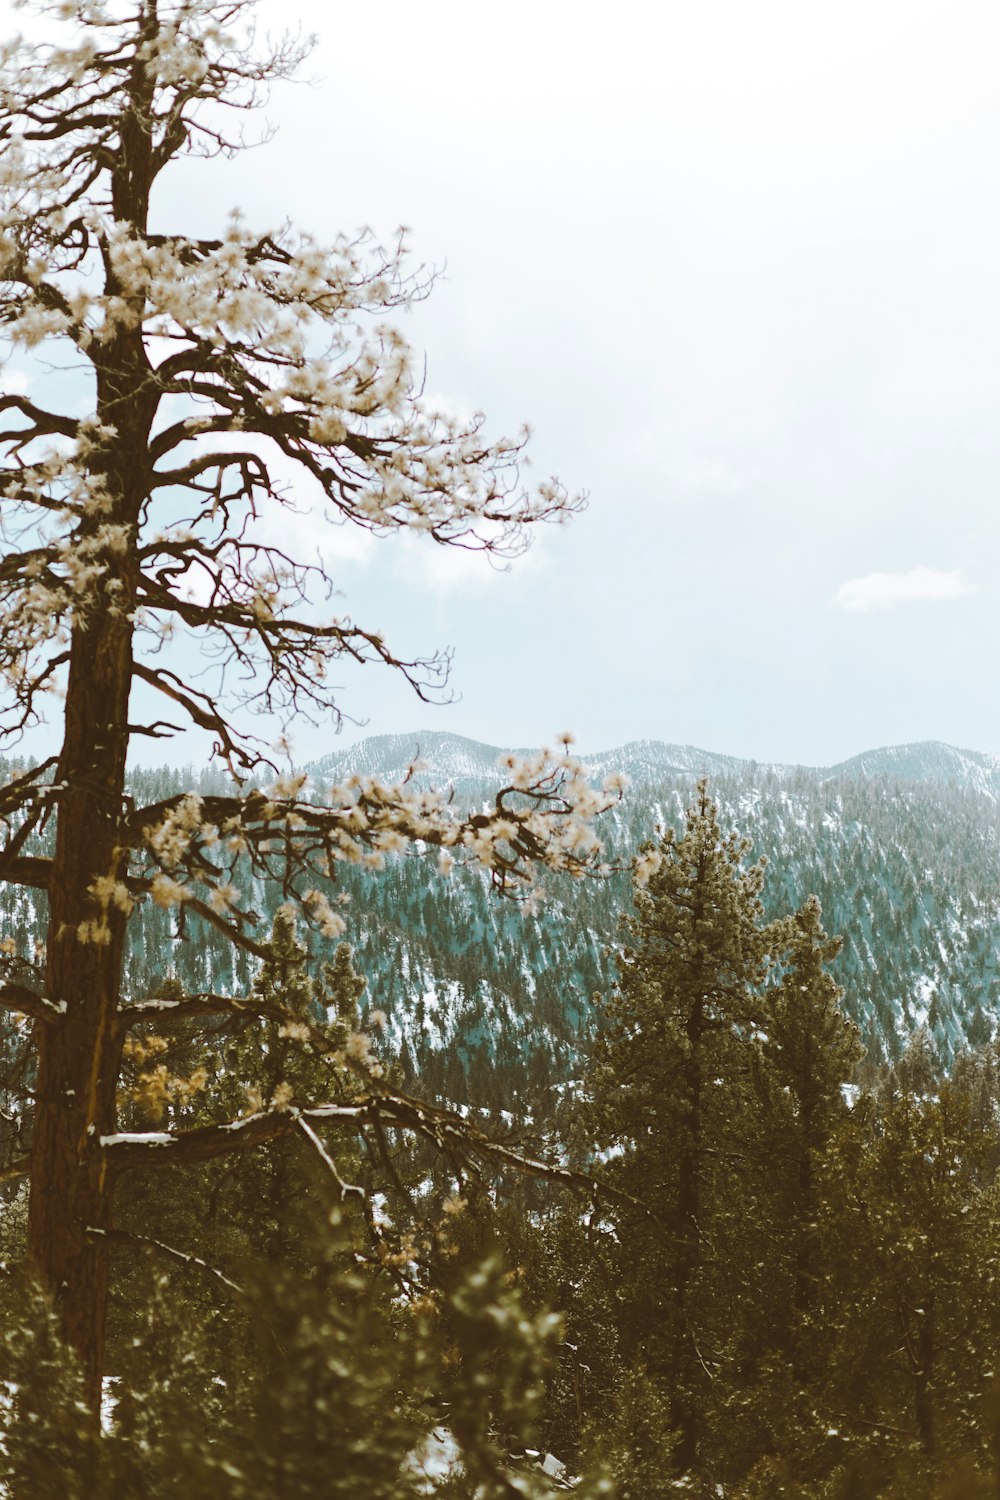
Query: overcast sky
column 739, row 266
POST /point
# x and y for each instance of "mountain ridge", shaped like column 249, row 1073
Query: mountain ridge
column 460, row 760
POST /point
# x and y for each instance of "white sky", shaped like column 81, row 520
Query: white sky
column 739, row 266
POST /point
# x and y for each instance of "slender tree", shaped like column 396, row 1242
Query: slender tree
column 208, row 369
column 811, row 1051
column 671, row 1072
column 918, row 1261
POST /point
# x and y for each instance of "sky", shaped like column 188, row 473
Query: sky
column 739, row 267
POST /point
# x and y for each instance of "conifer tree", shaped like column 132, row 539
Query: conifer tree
column 806, row 1053
column 219, row 379
column 670, row 1078
column 918, row 1260
column 811, row 1052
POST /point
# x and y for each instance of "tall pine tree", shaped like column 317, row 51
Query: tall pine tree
column 671, row 1068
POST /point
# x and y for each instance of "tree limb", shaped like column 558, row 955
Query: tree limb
column 21, row 1167
column 123, row 1237
column 17, row 997
column 343, row 1188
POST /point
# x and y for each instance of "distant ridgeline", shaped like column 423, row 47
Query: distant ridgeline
column 902, row 846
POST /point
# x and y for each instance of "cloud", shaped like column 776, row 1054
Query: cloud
column 882, row 591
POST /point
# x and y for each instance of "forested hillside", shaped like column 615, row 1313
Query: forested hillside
column 902, row 847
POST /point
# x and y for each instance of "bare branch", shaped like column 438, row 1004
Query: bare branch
column 344, row 1189
column 204, row 713
column 447, row 1131
column 42, row 421
column 180, row 1257
column 130, row 1150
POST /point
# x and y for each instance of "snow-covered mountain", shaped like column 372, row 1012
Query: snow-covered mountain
column 469, row 765
column 902, row 844
column 928, row 761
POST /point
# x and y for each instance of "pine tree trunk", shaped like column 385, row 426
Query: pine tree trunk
column 804, row 1291
column 79, row 1054
column 686, row 1404
column 924, row 1379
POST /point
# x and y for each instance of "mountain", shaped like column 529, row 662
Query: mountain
column 487, row 999
column 929, row 761
column 901, row 844
column 470, row 766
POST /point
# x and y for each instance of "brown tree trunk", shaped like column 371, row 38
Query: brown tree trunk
column 689, row 1374
column 804, row 1291
column 79, row 1054
column 923, row 1379
column 685, row 1376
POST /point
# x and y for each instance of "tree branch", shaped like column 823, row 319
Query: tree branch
column 131, row 1150
column 123, row 1237
column 16, row 997
column 44, row 421
column 203, row 1005
column 17, row 1169
column 344, row 1189
column 443, row 1128
column 29, row 869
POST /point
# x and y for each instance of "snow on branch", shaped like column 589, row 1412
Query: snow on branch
column 344, row 1189
column 22, row 1001
column 443, row 1128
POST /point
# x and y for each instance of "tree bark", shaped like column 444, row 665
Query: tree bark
column 923, row 1379
column 686, row 1405
column 804, row 1289
column 80, row 1052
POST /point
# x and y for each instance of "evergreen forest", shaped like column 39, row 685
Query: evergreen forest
column 769, row 1269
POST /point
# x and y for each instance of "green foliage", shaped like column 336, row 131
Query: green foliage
column 255, row 1209
column 918, row 1258
column 48, row 1448
column 671, row 1091
column 715, row 1096
column 639, row 1444
column 332, row 1395
column 316, row 1409
column 496, row 1357
column 809, row 1286
column 475, row 989
column 303, row 1371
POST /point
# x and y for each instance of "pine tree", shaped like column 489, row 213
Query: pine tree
column 671, row 1070
column 208, row 366
column 806, row 1053
column 918, row 1262
column 811, row 1052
